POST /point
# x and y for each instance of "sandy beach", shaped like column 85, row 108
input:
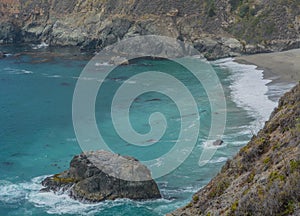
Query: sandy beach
column 280, row 67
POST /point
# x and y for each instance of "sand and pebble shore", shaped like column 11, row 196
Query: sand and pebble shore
column 280, row 67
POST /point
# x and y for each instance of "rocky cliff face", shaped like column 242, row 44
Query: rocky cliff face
column 263, row 179
column 218, row 28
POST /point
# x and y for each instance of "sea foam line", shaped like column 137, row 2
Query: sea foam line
column 17, row 71
column 39, row 46
column 61, row 203
column 249, row 90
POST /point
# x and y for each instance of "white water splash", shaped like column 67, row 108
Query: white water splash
column 249, row 91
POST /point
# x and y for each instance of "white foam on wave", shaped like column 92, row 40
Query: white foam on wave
column 130, row 82
column 238, row 138
column 98, row 64
column 15, row 192
column 17, row 71
column 218, row 160
column 26, row 72
column 10, row 193
column 249, row 90
column 61, row 203
column 89, row 79
column 8, row 54
column 39, row 46
column 54, row 76
column 71, row 139
column 277, row 90
column 209, row 145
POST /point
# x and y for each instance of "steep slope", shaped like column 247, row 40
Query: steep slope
column 263, row 179
column 217, row 28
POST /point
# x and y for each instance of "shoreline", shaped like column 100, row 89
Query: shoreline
column 280, row 67
column 250, row 91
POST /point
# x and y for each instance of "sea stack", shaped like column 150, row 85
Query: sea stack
column 92, row 177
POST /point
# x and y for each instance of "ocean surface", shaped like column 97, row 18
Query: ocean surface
column 37, row 138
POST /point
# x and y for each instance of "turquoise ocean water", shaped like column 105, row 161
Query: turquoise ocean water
column 37, row 136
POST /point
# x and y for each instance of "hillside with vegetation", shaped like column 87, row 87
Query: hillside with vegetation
column 263, row 178
column 217, row 28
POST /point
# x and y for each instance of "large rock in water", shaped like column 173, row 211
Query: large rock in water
column 93, row 176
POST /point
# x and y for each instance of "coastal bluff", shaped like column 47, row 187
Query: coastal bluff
column 263, row 178
column 92, row 177
column 216, row 28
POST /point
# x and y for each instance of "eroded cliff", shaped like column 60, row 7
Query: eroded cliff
column 218, row 28
column 263, row 179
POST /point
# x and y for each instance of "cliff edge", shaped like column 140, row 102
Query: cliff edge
column 263, row 178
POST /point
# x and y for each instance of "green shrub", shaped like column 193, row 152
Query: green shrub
column 295, row 165
column 211, row 12
column 211, row 8
column 252, row 11
column 234, row 206
column 289, row 208
column 219, row 189
column 275, row 175
column 251, row 177
column 235, row 4
column 267, row 160
column 244, row 10
column 196, row 198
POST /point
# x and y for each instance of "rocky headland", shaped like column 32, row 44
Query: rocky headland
column 100, row 175
column 217, row 28
column 263, row 178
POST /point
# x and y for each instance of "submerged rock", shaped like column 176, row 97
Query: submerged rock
column 218, row 142
column 100, row 175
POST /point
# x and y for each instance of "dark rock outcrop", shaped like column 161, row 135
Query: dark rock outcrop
column 2, row 55
column 218, row 142
column 97, row 176
column 263, row 178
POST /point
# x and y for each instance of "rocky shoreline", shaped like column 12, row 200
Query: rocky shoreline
column 263, row 178
column 217, row 28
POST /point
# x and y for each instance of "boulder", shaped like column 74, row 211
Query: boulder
column 100, row 175
column 2, row 55
column 233, row 44
column 218, row 142
column 118, row 60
